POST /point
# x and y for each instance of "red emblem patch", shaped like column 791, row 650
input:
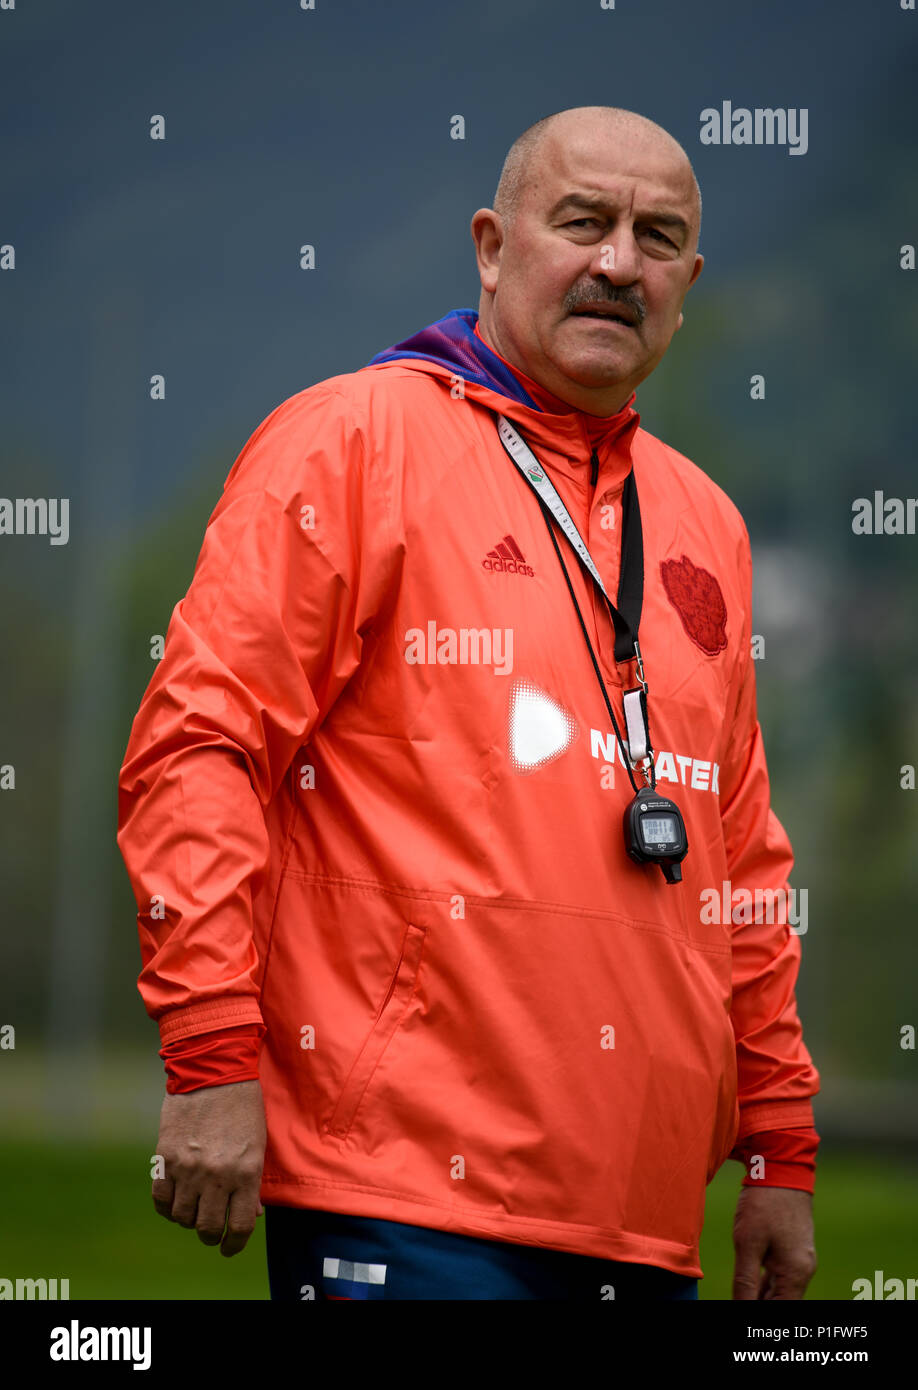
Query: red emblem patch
column 695, row 594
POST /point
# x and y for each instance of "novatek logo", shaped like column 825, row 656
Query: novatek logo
column 703, row 776
column 507, row 558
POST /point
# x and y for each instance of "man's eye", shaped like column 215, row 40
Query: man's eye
column 582, row 221
column 656, row 233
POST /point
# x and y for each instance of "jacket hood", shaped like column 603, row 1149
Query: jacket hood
column 453, row 343
column 451, row 347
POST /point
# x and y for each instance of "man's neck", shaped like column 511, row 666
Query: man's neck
column 544, row 396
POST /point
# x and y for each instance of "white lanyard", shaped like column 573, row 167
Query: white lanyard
column 635, row 701
column 540, row 482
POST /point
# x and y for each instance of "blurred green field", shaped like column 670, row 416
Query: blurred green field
column 83, row 1212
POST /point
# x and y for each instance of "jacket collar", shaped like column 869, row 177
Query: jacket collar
column 451, row 347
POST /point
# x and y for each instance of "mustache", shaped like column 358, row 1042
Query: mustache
column 614, row 295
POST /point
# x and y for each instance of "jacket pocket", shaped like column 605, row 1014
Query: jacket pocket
column 393, row 1010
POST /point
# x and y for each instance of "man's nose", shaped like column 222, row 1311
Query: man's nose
column 617, row 257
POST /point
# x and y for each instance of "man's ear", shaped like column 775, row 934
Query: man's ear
column 696, row 271
column 488, row 235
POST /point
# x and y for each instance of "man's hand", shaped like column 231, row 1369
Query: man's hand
column 773, row 1227
column 213, row 1145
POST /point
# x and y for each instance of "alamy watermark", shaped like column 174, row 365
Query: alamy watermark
column 76, row 1343
column 763, row 125
column 884, row 516
column 31, row 516
column 464, row 646
column 35, row 1289
column 734, row 906
column 884, row 1288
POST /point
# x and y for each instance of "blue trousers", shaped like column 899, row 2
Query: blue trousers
column 324, row 1255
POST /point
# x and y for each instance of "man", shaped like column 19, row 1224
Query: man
column 372, row 804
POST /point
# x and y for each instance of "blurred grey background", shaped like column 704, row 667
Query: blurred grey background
column 331, row 126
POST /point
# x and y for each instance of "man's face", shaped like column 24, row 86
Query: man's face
column 607, row 225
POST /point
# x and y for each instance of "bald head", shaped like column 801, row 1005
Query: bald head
column 587, row 255
column 619, row 127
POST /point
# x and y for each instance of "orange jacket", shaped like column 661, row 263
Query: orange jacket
column 371, row 799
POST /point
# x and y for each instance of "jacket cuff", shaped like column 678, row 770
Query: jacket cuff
column 793, row 1175
column 779, row 1158
column 204, row 1018
column 215, row 1058
column 758, row 1116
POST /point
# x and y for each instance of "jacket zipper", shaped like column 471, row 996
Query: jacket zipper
column 594, row 468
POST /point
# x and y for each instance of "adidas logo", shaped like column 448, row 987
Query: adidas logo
column 507, row 558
